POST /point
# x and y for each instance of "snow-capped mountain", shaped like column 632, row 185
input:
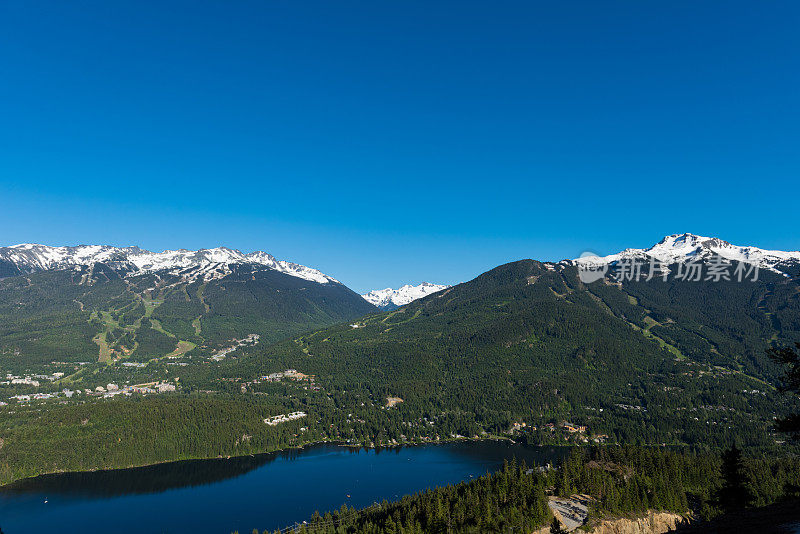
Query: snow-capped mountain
column 680, row 248
column 204, row 263
column 394, row 298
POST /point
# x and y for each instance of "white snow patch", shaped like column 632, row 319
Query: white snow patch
column 400, row 297
column 679, row 248
column 194, row 264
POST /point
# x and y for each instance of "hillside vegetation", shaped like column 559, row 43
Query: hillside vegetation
column 93, row 313
column 651, row 362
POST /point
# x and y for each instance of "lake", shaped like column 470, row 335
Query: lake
column 266, row 491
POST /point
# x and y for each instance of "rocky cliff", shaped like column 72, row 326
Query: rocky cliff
column 652, row 523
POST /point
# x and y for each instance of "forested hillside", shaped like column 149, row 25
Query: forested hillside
column 96, row 313
column 619, row 482
column 647, row 362
column 525, row 351
column 139, row 431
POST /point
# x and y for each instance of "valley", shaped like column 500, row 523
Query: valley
column 399, row 268
column 117, row 371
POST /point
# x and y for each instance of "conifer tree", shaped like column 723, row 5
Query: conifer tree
column 734, row 494
column 790, row 357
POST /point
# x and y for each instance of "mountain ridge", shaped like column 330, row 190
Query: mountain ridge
column 530, row 341
column 679, row 248
column 104, row 303
column 388, row 299
column 28, row 258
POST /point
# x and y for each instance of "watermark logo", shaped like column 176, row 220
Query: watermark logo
column 637, row 269
column 592, row 270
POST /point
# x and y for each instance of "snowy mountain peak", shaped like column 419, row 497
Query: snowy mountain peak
column 393, row 298
column 678, row 248
column 205, row 263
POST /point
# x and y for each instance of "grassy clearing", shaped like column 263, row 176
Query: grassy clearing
column 158, row 328
column 106, row 353
column 650, row 322
column 105, row 350
column 200, row 297
column 182, row 348
column 198, row 328
column 150, row 305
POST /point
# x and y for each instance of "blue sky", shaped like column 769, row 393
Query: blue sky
column 393, row 142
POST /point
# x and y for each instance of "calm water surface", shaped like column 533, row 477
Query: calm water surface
column 265, row 492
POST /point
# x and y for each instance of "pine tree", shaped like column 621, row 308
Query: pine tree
column 734, row 494
column 790, row 357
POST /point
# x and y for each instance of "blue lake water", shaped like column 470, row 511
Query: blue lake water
column 265, row 491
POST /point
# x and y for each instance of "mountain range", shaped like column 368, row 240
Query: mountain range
column 97, row 302
column 682, row 248
column 203, row 264
column 190, row 265
column 391, row 299
column 629, row 360
column 668, row 359
column 101, row 303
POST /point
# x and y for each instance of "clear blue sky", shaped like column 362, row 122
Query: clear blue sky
column 391, row 142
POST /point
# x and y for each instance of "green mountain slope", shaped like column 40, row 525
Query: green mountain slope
column 650, row 362
column 95, row 313
column 524, row 343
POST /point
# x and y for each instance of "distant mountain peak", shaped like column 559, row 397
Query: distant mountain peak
column 679, row 248
column 393, row 298
column 688, row 241
column 205, row 263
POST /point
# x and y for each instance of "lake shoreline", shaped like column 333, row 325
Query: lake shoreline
column 11, row 485
column 268, row 491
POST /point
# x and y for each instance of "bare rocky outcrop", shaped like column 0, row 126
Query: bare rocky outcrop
column 652, row 523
